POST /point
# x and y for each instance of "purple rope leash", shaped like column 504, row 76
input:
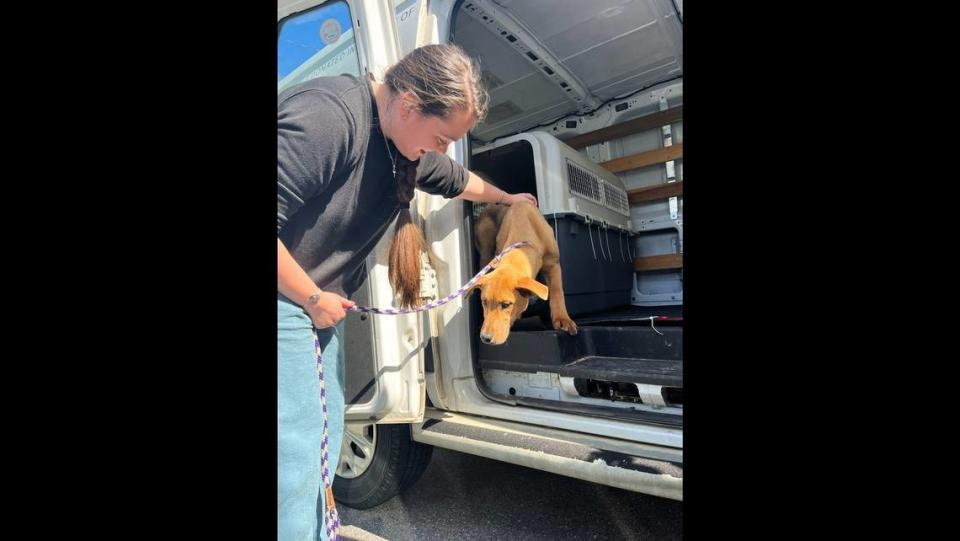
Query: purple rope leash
column 331, row 518
column 445, row 300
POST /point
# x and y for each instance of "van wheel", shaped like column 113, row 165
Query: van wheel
column 378, row 462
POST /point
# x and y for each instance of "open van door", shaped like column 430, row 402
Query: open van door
column 384, row 354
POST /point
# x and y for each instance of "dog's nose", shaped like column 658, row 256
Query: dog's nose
column 486, row 338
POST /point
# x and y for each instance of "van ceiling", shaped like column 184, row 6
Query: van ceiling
column 612, row 47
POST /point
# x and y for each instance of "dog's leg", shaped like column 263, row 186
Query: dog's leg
column 485, row 247
column 486, row 237
column 558, row 308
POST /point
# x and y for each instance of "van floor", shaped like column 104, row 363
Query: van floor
column 626, row 315
column 613, row 346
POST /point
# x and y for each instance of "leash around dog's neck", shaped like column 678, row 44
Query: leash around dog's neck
column 445, row 300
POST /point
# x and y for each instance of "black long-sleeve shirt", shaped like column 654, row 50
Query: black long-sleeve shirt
column 336, row 194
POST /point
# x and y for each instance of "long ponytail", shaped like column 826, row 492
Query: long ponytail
column 408, row 241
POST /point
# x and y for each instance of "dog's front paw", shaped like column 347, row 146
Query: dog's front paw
column 564, row 323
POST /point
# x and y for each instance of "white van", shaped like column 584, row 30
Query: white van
column 585, row 113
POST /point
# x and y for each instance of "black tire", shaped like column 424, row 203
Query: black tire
column 398, row 462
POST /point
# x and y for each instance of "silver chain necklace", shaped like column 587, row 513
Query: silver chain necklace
column 385, row 142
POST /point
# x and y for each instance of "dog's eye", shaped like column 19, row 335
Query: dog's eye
column 505, row 305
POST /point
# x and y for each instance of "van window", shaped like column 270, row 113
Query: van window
column 316, row 43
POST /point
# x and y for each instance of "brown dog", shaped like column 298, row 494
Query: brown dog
column 504, row 291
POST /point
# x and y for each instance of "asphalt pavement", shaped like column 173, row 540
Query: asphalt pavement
column 464, row 497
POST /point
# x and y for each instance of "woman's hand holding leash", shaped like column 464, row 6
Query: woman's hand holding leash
column 327, row 309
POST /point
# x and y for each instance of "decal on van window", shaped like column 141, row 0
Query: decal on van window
column 316, row 43
column 330, row 31
column 407, row 14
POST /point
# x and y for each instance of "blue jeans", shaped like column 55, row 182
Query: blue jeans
column 300, row 497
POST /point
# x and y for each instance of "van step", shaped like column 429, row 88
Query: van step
column 668, row 373
column 649, row 469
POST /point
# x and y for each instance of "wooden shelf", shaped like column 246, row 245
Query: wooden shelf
column 643, row 159
column 652, row 193
column 658, row 262
column 655, row 120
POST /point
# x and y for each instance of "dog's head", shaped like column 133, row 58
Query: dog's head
column 504, row 295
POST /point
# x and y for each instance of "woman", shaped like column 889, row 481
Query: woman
column 349, row 154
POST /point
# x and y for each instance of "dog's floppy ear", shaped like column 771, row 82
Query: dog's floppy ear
column 529, row 285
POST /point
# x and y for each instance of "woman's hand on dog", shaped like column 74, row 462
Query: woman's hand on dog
column 329, row 309
column 514, row 197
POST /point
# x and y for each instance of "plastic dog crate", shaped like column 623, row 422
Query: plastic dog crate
column 587, row 207
column 563, row 179
column 596, row 262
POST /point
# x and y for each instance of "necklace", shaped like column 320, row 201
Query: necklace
column 393, row 162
